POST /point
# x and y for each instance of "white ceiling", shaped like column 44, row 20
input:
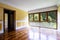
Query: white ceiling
column 28, row 5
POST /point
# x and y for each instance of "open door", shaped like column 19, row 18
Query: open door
column 11, row 23
column 6, row 22
column 9, row 20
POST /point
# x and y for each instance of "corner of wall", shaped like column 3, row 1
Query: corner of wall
column 58, row 18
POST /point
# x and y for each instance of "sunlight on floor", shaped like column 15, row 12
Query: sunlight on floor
column 34, row 34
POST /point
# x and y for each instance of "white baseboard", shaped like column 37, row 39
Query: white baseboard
column 20, row 27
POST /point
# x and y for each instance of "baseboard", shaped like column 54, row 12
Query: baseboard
column 20, row 27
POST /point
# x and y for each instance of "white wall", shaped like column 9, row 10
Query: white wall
column 54, row 7
column 43, row 24
column 59, row 18
column 22, row 26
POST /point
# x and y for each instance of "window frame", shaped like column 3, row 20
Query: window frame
column 40, row 16
column 46, row 19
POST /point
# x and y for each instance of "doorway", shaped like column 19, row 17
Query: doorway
column 9, row 20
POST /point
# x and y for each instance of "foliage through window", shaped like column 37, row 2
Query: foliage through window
column 43, row 16
column 36, row 17
column 30, row 17
column 52, row 16
column 49, row 17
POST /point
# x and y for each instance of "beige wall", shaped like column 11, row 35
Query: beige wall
column 1, row 14
column 20, row 14
column 0, row 26
column 21, row 23
column 1, row 17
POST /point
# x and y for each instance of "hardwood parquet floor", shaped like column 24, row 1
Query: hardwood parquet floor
column 31, row 34
column 15, row 35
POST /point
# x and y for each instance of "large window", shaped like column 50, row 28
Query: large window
column 49, row 17
column 43, row 16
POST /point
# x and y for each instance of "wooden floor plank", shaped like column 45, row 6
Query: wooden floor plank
column 24, row 34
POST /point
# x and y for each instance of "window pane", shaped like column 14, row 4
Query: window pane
column 30, row 17
column 43, row 16
column 52, row 16
column 36, row 17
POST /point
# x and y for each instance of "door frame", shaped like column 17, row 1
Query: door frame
column 4, row 19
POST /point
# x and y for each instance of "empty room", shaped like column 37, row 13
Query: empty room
column 29, row 19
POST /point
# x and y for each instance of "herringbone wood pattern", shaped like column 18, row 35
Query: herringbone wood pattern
column 15, row 35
